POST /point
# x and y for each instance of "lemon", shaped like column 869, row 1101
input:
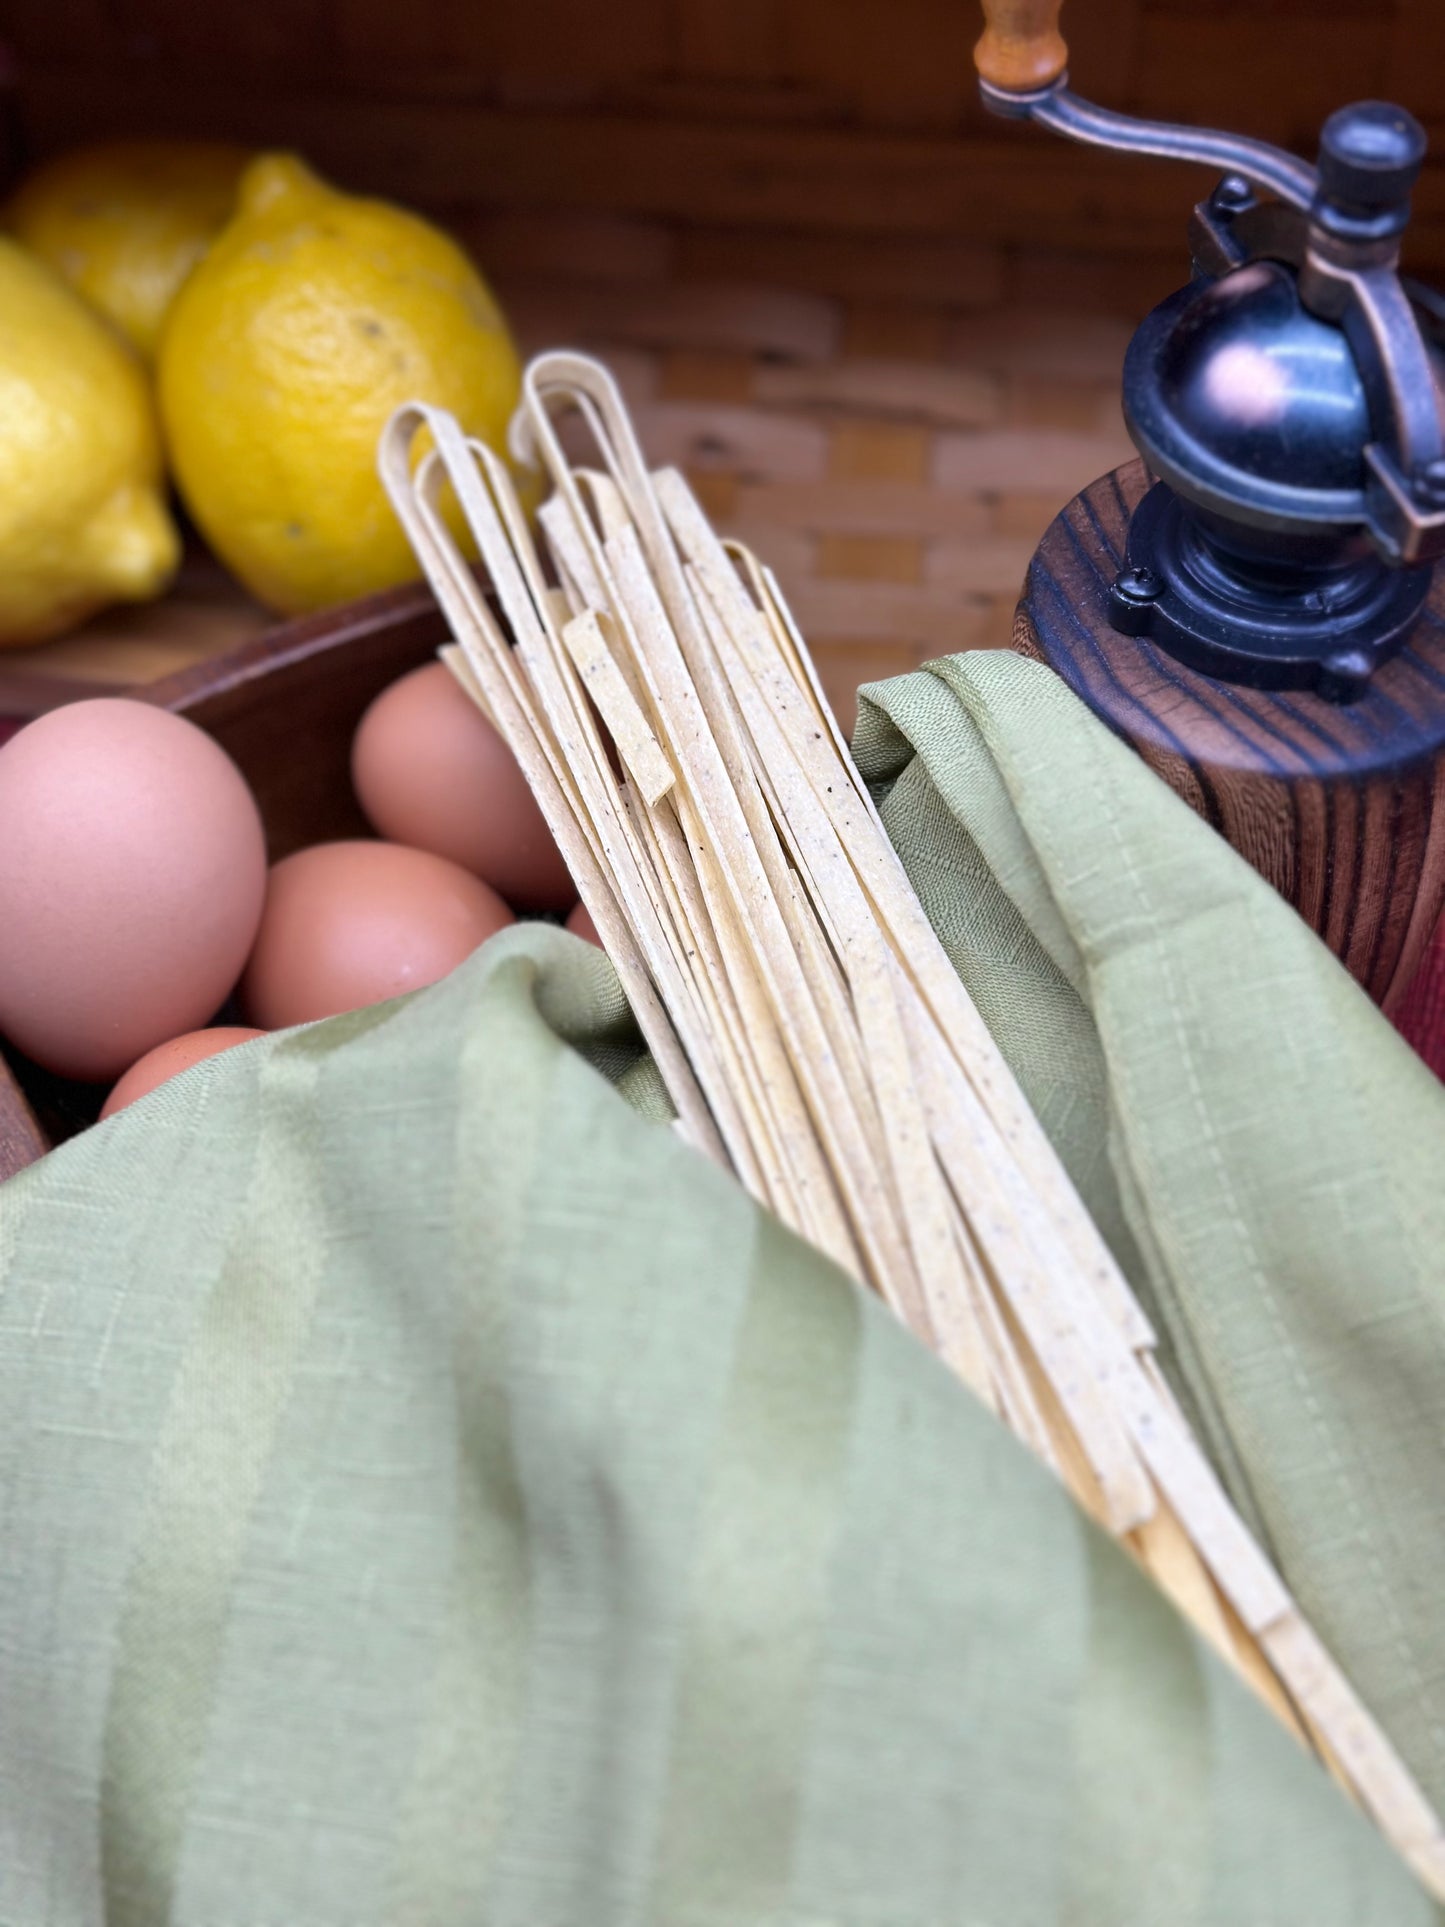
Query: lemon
column 311, row 318
column 82, row 518
column 126, row 223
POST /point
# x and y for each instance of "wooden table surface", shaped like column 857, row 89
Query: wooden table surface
column 205, row 613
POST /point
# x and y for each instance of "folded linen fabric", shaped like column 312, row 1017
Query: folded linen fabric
column 1263, row 1151
column 429, row 1493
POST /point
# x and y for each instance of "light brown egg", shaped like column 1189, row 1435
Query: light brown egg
column 132, row 873
column 580, row 923
column 348, row 924
column 430, row 771
column 168, row 1060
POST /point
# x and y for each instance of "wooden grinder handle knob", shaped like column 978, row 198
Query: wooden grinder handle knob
column 1021, row 49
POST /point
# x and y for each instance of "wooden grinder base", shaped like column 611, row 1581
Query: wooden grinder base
column 1340, row 807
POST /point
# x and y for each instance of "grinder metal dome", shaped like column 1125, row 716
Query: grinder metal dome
column 1289, row 403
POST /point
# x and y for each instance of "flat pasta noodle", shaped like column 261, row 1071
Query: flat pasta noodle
column 809, row 1027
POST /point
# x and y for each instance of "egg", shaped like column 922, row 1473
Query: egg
column 430, row 771
column 170, row 1059
column 580, row 923
column 348, row 924
column 132, row 875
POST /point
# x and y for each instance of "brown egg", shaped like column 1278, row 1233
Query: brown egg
column 581, row 925
column 348, row 924
column 170, row 1059
column 132, row 873
column 430, row 771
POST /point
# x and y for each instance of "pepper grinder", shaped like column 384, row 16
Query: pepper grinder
column 1255, row 605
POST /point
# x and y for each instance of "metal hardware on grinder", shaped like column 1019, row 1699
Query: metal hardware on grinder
column 1259, row 608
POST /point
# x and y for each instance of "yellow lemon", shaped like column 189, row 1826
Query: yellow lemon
column 313, row 316
column 83, row 519
column 126, row 223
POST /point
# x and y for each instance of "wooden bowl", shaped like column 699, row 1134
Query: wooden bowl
column 285, row 707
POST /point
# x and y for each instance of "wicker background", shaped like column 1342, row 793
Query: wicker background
column 881, row 331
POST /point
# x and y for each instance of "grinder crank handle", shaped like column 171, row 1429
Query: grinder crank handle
column 1023, row 73
column 1021, row 51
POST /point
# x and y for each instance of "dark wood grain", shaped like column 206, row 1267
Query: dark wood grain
column 30, row 694
column 285, row 707
column 21, row 1139
column 1341, row 808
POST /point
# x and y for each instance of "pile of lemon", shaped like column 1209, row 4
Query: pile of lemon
column 236, row 323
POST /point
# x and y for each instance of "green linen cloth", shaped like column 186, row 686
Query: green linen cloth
column 431, row 1494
